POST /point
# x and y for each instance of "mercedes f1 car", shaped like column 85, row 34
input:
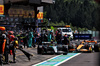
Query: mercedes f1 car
column 52, row 48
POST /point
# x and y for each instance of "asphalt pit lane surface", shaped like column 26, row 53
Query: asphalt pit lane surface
column 87, row 61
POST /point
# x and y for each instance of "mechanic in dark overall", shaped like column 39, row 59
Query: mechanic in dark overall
column 6, row 53
column 46, row 36
column 13, row 46
column 25, row 39
column 2, row 43
column 66, row 40
column 59, row 38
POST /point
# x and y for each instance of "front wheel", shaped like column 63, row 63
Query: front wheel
column 65, row 53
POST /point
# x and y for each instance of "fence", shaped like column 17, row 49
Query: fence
column 95, row 34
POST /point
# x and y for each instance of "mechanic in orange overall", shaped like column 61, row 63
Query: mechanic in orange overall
column 2, row 43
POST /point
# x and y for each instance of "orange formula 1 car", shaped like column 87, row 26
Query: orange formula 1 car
column 88, row 46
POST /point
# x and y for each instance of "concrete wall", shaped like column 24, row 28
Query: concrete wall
column 7, row 1
column 30, row 1
column 47, row 1
column 35, row 1
column 40, row 9
column 40, row 1
column 1, row 2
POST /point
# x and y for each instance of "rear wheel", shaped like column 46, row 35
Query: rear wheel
column 96, row 48
column 64, row 53
column 42, row 51
column 39, row 50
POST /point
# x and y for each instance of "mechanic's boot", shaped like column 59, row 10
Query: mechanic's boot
column 1, row 64
column 6, row 63
column 14, row 61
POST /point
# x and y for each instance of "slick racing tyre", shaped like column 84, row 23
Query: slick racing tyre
column 42, row 51
column 39, row 50
column 96, row 48
column 64, row 53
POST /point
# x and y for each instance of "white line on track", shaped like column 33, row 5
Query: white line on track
column 58, row 63
column 67, row 59
column 46, row 60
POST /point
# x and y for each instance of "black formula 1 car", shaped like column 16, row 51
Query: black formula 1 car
column 52, row 48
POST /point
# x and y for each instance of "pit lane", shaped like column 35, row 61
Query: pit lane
column 55, row 61
column 84, row 59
